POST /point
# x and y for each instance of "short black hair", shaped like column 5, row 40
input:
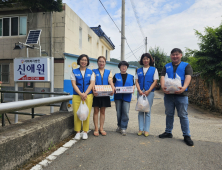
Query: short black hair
column 148, row 56
column 123, row 63
column 176, row 50
column 80, row 57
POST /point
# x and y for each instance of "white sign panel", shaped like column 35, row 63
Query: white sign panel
column 32, row 69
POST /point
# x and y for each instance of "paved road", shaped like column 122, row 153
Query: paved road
column 133, row 152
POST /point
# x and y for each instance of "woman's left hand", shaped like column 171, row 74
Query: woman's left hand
column 147, row 92
column 113, row 91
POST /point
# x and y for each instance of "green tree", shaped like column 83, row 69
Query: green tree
column 45, row 5
column 208, row 60
column 160, row 57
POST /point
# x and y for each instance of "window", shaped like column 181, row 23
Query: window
column 22, row 25
column 102, row 50
column 89, row 39
column 4, row 73
column 0, row 27
column 106, row 54
column 80, row 38
column 13, row 26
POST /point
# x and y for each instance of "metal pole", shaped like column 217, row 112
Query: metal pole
column 27, row 50
column 146, row 45
column 52, row 81
column 16, row 99
column 33, row 108
column 3, row 119
column 52, row 62
column 40, row 53
column 123, row 32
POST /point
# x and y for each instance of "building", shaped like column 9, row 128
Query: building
column 62, row 32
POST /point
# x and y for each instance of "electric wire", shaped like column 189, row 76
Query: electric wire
column 137, row 18
column 134, row 50
column 139, row 51
column 118, row 29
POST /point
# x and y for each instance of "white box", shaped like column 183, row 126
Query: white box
column 103, row 90
column 128, row 89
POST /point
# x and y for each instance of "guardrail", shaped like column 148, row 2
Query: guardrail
column 11, row 107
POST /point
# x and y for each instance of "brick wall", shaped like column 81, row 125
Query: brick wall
column 206, row 94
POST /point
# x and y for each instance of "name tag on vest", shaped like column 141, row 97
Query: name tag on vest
column 88, row 75
column 77, row 75
column 97, row 74
column 168, row 67
column 118, row 79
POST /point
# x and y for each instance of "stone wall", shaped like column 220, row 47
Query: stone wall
column 206, row 94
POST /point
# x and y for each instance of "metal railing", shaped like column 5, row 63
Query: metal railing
column 13, row 107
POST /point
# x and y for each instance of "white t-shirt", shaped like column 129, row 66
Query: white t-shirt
column 73, row 77
column 155, row 76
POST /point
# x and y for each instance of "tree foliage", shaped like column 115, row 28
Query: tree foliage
column 208, row 60
column 45, row 5
column 160, row 57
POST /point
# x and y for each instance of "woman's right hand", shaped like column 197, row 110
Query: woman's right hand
column 140, row 92
column 94, row 92
column 83, row 96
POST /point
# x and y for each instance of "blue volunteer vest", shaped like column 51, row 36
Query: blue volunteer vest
column 102, row 80
column 180, row 71
column 81, row 83
column 119, row 83
column 146, row 81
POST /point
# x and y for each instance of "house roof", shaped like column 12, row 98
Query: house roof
column 100, row 33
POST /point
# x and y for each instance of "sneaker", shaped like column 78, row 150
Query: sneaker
column 188, row 140
column 78, row 136
column 84, row 136
column 166, row 135
column 123, row 132
column 118, row 129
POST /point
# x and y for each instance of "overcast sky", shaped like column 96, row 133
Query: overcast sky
column 166, row 23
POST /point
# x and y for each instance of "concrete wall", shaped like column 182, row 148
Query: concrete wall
column 206, row 94
column 93, row 48
column 65, row 38
column 20, row 142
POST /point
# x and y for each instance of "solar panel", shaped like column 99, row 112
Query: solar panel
column 33, row 37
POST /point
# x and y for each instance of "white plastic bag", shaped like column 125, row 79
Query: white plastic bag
column 172, row 85
column 142, row 104
column 83, row 111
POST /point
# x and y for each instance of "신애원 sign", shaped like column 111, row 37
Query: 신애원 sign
column 32, row 69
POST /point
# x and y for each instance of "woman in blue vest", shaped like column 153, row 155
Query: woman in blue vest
column 83, row 80
column 103, row 77
column 122, row 100
column 146, row 79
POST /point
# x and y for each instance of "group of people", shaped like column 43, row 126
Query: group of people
column 84, row 81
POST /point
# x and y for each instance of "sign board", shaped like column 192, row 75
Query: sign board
column 32, row 69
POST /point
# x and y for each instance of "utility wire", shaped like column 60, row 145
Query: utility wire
column 137, row 18
column 139, row 50
column 134, row 49
column 118, row 29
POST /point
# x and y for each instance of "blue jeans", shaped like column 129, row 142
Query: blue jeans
column 122, row 110
column 144, row 125
column 181, row 104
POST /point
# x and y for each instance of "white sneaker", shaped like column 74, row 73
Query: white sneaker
column 123, row 132
column 78, row 136
column 84, row 136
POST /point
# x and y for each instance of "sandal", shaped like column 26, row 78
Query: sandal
column 96, row 133
column 103, row 133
